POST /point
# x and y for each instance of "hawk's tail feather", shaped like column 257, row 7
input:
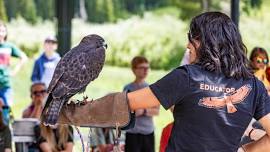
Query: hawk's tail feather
column 52, row 112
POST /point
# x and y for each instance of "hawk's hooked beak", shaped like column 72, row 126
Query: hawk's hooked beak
column 104, row 44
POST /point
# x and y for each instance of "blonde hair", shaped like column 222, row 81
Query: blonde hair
column 47, row 133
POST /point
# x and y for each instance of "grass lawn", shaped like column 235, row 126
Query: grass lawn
column 111, row 79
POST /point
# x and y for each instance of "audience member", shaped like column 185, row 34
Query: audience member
column 38, row 96
column 45, row 65
column 141, row 137
column 8, row 50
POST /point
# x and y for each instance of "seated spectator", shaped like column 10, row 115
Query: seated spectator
column 38, row 96
column 102, row 140
column 259, row 62
column 5, row 134
column 58, row 139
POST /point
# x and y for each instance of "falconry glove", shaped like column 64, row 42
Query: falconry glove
column 110, row 111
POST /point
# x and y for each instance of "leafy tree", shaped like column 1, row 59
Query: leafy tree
column 45, row 9
column 27, row 9
column 3, row 15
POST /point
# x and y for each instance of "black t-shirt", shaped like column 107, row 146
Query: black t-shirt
column 211, row 111
column 41, row 139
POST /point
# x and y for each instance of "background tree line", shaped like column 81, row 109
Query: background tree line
column 100, row 11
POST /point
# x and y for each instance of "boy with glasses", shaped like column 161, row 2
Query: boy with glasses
column 141, row 137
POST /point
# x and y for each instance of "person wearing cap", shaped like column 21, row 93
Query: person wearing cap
column 45, row 65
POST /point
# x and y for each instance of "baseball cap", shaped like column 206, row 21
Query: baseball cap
column 51, row 39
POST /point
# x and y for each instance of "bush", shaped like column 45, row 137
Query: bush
column 30, row 51
column 159, row 38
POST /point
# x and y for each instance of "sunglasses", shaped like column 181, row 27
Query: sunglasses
column 41, row 92
column 261, row 60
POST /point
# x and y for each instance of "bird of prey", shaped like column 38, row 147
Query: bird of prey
column 227, row 100
column 79, row 66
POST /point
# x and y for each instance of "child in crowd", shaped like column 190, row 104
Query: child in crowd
column 45, row 65
column 8, row 50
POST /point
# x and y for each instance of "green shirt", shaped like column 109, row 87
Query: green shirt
column 5, row 139
column 7, row 51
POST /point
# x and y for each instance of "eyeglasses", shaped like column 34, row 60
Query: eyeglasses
column 261, row 60
column 143, row 68
column 41, row 92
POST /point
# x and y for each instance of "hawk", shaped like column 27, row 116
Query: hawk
column 227, row 100
column 79, row 66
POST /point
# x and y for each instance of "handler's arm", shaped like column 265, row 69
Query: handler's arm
column 137, row 99
column 263, row 144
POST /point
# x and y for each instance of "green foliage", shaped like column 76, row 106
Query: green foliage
column 3, row 15
column 27, row 9
column 23, row 8
column 30, row 51
column 191, row 8
column 159, row 39
column 45, row 9
column 251, row 4
column 170, row 10
column 11, row 8
column 104, row 10
column 110, row 10
column 100, row 11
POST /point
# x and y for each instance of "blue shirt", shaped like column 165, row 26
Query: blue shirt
column 143, row 124
column 44, row 68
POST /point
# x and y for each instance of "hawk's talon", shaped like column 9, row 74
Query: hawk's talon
column 91, row 101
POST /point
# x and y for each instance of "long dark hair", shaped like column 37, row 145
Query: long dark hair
column 221, row 49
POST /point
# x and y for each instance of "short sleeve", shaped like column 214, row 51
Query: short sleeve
column 127, row 88
column 262, row 103
column 16, row 52
column 7, row 138
column 172, row 88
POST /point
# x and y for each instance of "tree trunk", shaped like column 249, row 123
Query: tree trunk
column 235, row 11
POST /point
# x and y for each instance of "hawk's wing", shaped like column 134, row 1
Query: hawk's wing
column 79, row 71
column 240, row 94
column 212, row 102
column 59, row 70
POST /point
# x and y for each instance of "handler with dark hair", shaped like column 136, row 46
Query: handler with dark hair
column 215, row 97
